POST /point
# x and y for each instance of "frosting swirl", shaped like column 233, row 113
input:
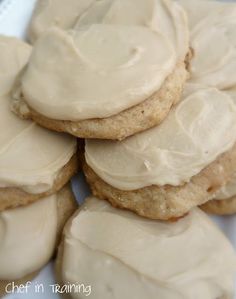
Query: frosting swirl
column 60, row 13
column 122, row 255
column 192, row 136
column 198, row 10
column 129, row 64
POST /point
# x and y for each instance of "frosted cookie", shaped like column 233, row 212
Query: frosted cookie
column 121, row 255
column 213, row 30
column 167, row 170
column 34, row 162
column 58, row 13
column 28, row 236
column 224, row 201
column 127, row 85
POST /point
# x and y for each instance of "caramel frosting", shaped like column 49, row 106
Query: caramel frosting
column 14, row 55
column 164, row 16
column 68, row 79
column 27, row 238
column 58, row 13
column 192, row 136
column 122, row 255
column 30, row 157
column 199, row 9
column 213, row 31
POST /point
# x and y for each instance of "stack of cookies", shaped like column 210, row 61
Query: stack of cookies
column 152, row 98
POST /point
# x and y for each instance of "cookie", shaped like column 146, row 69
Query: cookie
column 166, row 202
column 34, row 162
column 108, row 251
column 135, row 119
column 165, row 171
column 212, row 23
column 129, row 85
column 13, row 197
column 220, row 207
column 29, row 236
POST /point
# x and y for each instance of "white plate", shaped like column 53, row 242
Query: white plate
column 14, row 18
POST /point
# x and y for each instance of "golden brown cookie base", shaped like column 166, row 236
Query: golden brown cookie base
column 220, row 207
column 66, row 205
column 14, row 197
column 167, row 201
column 128, row 122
